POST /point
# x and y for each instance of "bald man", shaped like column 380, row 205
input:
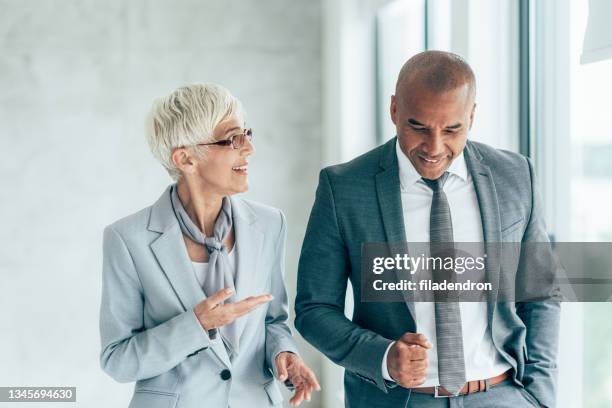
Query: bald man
column 429, row 184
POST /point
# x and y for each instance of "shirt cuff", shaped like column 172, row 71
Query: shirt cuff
column 385, row 371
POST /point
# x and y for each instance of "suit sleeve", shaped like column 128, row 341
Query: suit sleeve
column 129, row 352
column 541, row 316
column 323, row 271
column 278, row 333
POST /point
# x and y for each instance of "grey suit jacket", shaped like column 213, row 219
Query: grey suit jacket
column 149, row 332
column 360, row 202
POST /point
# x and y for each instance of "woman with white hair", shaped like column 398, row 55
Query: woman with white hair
column 194, row 307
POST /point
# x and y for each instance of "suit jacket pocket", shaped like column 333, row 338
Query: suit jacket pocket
column 512, row 227
column 273, row 392
column 144, row 398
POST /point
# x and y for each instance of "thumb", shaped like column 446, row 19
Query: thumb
column 281, row 367
column 416, row 338
column 219, row 297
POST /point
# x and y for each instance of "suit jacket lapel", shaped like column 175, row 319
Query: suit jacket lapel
column 249, row 241
column 491, row 221
column 390, row 202
column 171, row 253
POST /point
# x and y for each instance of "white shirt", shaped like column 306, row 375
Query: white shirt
column 481, row 358
column 201, row 268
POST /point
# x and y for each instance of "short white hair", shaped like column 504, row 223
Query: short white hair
column 186, row 118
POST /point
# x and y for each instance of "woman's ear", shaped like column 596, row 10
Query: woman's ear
column 183, row 160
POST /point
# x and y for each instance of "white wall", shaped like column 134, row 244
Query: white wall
column 76, row 79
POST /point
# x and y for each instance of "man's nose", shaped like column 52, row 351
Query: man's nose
column 434, row 146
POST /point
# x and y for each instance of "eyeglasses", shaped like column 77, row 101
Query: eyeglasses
column 236, row 141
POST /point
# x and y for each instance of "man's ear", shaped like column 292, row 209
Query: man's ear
column 183, row 161
column 472, row 117
column 393, row 109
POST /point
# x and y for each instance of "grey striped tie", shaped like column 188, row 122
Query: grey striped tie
column 451, row 367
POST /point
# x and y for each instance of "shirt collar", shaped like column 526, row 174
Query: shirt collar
column 409, row 175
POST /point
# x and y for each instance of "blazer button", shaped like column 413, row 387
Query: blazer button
column 226, row 375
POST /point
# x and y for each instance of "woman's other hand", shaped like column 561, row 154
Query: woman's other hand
column 212, row 313
column 290, row 366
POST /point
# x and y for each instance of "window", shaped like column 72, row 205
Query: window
column 572, row 139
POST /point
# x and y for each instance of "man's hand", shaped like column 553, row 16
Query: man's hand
column 407, row 360
column 212, row 313
column 290, row 366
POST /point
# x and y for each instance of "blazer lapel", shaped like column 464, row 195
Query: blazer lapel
column 491, row 221
column 390, row 202
column 171, row 253
column 248, row 242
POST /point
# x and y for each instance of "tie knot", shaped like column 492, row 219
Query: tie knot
column 213, row 244
column 437, row 184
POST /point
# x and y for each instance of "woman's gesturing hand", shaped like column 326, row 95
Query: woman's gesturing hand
column 213, row 314
column 290, row 366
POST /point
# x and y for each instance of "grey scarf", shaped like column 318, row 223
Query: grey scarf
column 219, row 274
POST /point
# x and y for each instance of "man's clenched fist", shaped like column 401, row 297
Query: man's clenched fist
column 407, row 360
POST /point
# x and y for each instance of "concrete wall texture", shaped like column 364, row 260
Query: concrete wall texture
column 76, row 80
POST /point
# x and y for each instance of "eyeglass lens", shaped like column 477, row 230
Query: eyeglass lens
column 238, row 140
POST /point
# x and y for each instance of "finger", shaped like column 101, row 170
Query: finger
column 307, row 392
column 298, row 397
column 281, row 366
column 312, row 379
column 249, row 304
column 295, row 398
column 418, row 364
column 304, row 387
column 312, row 387
column 410, row 352
column 412, row 381
column 416, row 338
column 419, row 373
column 415, row 372
column 419, row 381
column 416, row 353
column 219, row 297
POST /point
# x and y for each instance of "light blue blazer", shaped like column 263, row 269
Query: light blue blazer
column 149, row 332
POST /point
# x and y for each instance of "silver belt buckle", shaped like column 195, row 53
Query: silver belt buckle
column 436, row 395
